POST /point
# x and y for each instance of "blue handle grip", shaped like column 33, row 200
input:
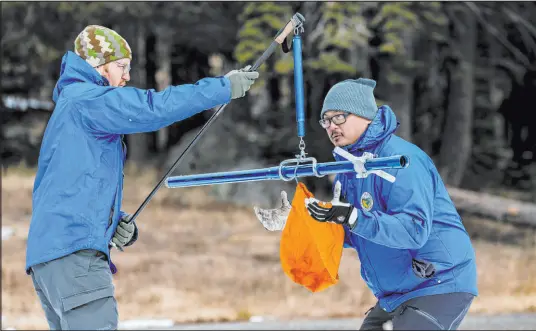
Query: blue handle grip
column 298, row 84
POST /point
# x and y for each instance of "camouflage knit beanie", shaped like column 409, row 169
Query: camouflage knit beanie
column 99, row 45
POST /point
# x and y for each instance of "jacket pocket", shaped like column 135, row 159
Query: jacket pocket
column 85, row 261
column 81, row 262
column 82, row 298
column 422, row 268
column 92, row 281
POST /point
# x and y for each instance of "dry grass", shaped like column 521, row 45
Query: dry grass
column 200, row 260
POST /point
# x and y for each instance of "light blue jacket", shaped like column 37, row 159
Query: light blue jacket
column 409, row 237
column 79, row 181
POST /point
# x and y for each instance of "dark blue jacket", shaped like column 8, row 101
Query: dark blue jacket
column 409, row 237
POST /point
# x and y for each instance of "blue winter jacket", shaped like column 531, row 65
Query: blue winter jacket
column 79, row 181
column 409, row 237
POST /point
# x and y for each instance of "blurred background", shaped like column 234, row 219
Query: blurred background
column 460, row 77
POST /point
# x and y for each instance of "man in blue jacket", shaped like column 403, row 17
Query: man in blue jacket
column 415, row 254
column 79, row 181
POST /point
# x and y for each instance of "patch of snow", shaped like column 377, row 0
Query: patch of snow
column 146, row 323
column 7, row 232
column 256, row 319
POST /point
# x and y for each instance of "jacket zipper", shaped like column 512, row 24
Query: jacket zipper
column 111, row 219
column 111, row 265
column 369, row 268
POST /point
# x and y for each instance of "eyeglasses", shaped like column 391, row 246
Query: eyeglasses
column 124, row 67
column 336, row 119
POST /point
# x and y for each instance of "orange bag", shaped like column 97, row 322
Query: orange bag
column 310, row 251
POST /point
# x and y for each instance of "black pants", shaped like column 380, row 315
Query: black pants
column 433, row 312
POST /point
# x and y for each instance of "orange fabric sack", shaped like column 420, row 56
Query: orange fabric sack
column 310, row 251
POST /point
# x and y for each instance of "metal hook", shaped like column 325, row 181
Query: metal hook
column 281, row 176
column 298, row 161
column 296, row 174
column 297, row 22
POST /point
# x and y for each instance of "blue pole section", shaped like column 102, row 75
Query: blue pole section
column 287, row 171
column 298, row 84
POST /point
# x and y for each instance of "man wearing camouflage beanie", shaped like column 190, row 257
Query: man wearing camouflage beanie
column 78, row 189
column 416, row 256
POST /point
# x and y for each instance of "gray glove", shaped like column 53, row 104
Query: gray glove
column 241, row 81
column 274, row 219
column 126, row 232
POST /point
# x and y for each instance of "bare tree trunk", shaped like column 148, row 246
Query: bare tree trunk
column 457, row 135
column 163, row 75
column 138, row 143
column 359, row 58
column 489, row 157
column 400, row 100
column 396, row 82
column 429, row 95
column 261, row 102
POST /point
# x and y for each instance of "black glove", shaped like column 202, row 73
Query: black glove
column 340, row 212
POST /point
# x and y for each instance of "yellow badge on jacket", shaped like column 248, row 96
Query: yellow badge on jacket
column 366, row 201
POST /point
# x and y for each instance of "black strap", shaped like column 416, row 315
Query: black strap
column 285, row 47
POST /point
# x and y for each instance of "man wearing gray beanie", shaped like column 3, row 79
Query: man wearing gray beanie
column 416, row 256
column 349, row 97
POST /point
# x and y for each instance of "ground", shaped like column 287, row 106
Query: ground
column 200, row 260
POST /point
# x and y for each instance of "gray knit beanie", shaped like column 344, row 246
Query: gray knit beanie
column 354, row 96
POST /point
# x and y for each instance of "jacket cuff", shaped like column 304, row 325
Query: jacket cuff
column 226, row 82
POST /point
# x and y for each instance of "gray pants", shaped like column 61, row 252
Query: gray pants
column 76, row 292
column 433, row 312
